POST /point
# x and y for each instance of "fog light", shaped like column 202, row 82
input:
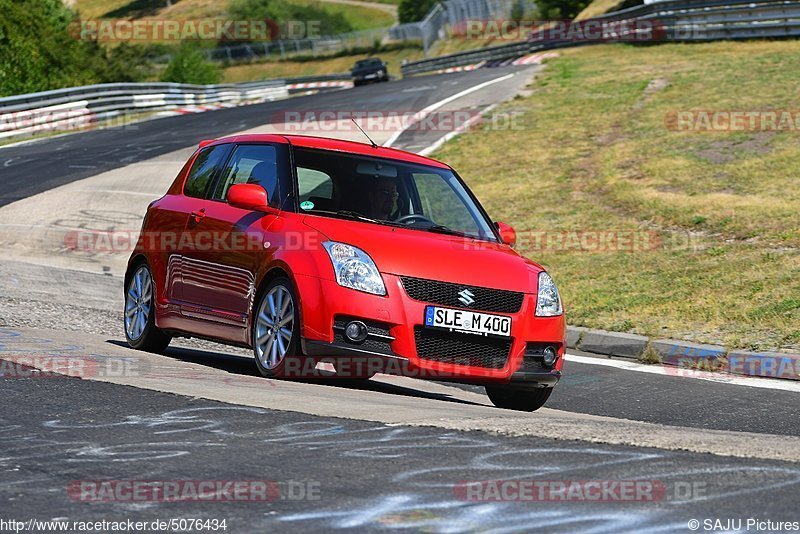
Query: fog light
column 355, row 331
column 549, row 356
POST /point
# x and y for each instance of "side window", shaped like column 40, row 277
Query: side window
column 442, row 204
column 314, row 183
column 253, row 164
column 203, row 169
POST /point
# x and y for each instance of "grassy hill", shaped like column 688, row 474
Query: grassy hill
column 360, row 17
column 595, row 153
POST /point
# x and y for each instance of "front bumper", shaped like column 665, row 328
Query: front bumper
column 324, row 302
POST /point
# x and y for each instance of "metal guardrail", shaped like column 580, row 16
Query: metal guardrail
column 283, row 49
column 450, row 13
column 670, row 20
column 76, row 108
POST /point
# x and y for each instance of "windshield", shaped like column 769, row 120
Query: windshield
column 367, row 63
column 389, row 192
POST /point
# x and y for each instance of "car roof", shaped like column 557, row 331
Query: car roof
column 338, row 145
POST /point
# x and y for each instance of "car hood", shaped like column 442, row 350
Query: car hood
column 419, row 254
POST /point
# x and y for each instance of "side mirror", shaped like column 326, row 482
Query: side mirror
column 507, row 233
column 248, row 197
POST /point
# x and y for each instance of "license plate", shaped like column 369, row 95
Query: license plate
column 467, row 321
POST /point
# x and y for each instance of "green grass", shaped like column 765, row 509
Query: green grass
column 592, row 152
column 360, row 18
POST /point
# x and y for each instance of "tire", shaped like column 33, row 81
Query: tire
column 523, row 400
column 139, row 316
column 271, row 346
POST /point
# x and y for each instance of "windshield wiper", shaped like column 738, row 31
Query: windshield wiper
column 347, row 214
column 442, row 229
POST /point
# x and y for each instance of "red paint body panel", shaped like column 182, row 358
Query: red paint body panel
column 210, row 293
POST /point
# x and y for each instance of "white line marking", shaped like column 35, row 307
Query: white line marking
column 458, row 131
column 663, row 370
column 433, row 107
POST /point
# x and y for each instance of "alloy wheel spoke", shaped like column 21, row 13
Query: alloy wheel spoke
column 286, row 334
column 267, row 349
column 264, row 319
column 287, row 303
column 273, row 353
column 278, row 303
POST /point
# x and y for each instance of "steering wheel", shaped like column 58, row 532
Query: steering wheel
column 411, row 217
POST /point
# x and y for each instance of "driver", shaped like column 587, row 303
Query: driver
column 383, row 197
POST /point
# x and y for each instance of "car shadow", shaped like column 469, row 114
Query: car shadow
column 244, row 366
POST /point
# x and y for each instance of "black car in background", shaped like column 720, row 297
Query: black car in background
column 369, row 70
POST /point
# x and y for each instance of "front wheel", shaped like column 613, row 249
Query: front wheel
column 140, row 314
column 523, row 400
column 276, row 328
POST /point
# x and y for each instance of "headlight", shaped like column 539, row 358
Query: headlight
column 548, row 302
column 354, row 268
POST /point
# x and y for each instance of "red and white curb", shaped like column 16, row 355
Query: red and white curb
column 534, row 59
column 460, row 69
column 530, row 59
column 200, row 109
column 320, row 85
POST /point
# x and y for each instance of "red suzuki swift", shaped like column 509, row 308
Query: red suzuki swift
column 373, row 259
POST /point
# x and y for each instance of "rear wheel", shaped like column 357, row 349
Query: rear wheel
column 524, row 400
column 275, row 328
column 140, row 317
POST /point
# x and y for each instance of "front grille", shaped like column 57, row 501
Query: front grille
column 461, row 349
column 448, row 294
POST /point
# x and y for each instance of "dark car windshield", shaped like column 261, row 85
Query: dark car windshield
column 367, row 63
column 390, row 192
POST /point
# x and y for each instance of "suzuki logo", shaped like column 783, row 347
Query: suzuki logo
column 466, row 297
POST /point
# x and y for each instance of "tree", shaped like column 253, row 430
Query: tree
column 414, row 10
column 188, row 65
column 560, row 9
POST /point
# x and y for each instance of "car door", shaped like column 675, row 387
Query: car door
column 230, row 241
column 208, row 162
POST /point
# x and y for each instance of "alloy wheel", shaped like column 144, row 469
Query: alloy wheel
column 138, row 302
column 274, row 327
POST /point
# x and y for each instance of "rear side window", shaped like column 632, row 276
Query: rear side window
column 205, row 166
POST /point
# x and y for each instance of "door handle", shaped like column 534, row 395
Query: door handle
column 198, row 215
